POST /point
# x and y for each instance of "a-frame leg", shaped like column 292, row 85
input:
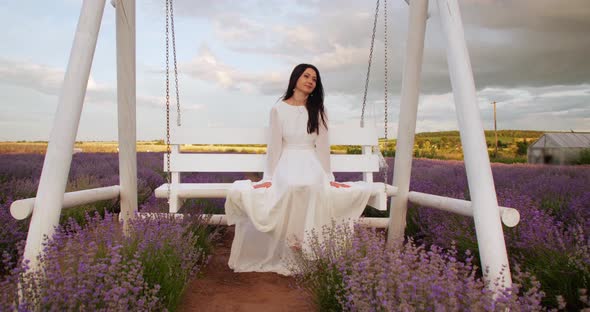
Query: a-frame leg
column 126, row 96
column 56, row 167
column 488, row 227
column 407, row 120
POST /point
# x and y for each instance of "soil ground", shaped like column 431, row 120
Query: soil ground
column 221, row 289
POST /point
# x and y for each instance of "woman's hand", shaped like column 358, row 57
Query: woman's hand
column 265, row 185
column 338, row 185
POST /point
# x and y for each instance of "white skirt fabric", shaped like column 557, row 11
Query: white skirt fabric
column 269, row 221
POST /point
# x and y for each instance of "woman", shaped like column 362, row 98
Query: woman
column 305, row 99
column 298, row 191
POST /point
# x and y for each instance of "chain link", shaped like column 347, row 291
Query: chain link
column 386, row 167
column 369, row 66
column 169, row 30
column 168, row 175
column 175, row 63
column 385, row 65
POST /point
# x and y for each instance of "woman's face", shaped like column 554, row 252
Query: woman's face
column 307, row 81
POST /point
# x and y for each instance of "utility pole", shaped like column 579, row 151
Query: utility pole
column 495, row 131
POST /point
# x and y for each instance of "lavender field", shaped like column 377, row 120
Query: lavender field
column 551, row 243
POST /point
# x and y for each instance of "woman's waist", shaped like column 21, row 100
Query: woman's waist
column 298, row 146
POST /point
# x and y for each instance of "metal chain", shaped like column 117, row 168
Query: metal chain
column 169, row 175
column 369, row 66
column 170, row 29
column 386, row 167
column 385, row 66
column 175, row 66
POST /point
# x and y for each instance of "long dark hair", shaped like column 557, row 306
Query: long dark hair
column 315, row 101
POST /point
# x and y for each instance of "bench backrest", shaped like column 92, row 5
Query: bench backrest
column 215, row 162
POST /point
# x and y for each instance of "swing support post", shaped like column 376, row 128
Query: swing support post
column 126, row 99
column 486, row 213
column 488, row 227
column 407, row 121
column 58, row 158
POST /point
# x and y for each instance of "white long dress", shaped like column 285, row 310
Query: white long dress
column 269, row 221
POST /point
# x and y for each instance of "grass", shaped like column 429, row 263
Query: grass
column 112, row 147
column 444, row 145
column 557, row 274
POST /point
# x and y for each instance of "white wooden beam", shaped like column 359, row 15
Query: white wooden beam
column 338, row 135
column 209, row 162
column 126, row 100
column 56, row 167
column 23, row 208
column 404, row 151
column 219, row 190
column 510, row 216
column 488, row 227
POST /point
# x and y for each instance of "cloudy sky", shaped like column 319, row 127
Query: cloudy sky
column 531, row 56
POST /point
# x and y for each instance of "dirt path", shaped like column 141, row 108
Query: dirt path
column 220, row 289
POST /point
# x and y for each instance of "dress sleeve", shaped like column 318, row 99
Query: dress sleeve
column 274, row 147
column 322, row 148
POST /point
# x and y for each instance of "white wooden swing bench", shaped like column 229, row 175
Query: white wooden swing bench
column 366, row 163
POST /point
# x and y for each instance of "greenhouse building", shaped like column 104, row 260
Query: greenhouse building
column 558, row 148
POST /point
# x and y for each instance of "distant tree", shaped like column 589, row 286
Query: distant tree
column 522, row 147
column 502, row 144
column 444, row 142
column 584, row 158
column 420, row 143
column 351, row 149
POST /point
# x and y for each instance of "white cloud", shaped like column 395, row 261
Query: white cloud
column 48, row 80
column 584, row 91
column 235, row 27
column 206, row 66
column 340, row 57
column 511, row 44
column 39, row 77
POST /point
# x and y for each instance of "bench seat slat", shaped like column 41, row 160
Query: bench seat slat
column 213, row 190
column 195, row 190
column 338, row 135
column 192, row 162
